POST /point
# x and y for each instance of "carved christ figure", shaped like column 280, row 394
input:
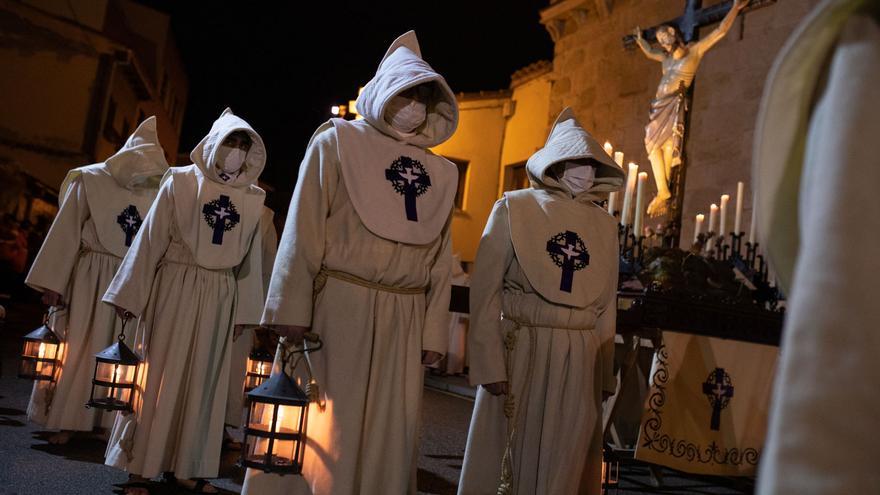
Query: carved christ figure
column 679, row 62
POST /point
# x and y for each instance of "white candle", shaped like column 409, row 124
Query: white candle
column 725, row 198
column 737, row 219
column 608, row 148
column 698, row 226
column 754, row 224
column 612, row 200
column 713, row 217
column 640, row 204
column 628, row 194
column 618, row 158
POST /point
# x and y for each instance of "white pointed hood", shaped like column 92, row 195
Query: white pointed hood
column 140, row 158
column 569, row 141
column 204, row 155
column 402, row 68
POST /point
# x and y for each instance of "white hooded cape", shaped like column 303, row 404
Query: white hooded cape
column 101, row 208
column 364, row 438
column 189, row 291
column 564, row 341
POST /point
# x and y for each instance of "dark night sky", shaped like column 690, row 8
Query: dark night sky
column 281, row 67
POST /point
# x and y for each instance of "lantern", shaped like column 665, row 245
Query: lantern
column 115, row 378
column 259, row 368
column 275, row 434
column 275, row 431
column 40, row 353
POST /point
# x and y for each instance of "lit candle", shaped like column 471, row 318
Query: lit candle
column 737, row 219
column 608, row 148
column 640, row 204
column 725, row 198
column 628, row 194
column 698, row 226
column 713, row 217
column 618, row 158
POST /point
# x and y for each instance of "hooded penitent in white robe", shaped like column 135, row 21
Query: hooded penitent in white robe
column 102, row 208
column 242, row 346
column 817, row 175
column 193, row 272
column 365, row 262
column 543, row 317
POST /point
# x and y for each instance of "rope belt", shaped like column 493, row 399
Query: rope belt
column 87, row 250
column 324, row 274
column 505, row 484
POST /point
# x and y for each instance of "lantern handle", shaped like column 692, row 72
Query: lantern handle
column 51, row 311
column 124, row 318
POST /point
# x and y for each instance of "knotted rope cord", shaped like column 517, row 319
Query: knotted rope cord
column 505, row 485
column 325, row 273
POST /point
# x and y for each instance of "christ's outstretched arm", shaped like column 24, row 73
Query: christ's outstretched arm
column 647, row 49
column 703, row 45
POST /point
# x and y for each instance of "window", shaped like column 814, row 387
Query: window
column 515, row 177
column 462, row 181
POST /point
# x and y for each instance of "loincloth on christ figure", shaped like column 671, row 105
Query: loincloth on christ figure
column 666, row 122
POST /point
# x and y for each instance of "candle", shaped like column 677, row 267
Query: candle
column 608, row 148
column 713, row 217
column 612, row 200
column 725, row 198
column 618, row 158
column 640, row 204
column 754, row 224
column 698, row 226
column 628, row 194
column 737, row 219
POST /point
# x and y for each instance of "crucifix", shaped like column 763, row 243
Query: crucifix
column 568, row 252
column 719, row 391
column 130, row 222
column 680, row 53
column 410, row 179
column 221, row 215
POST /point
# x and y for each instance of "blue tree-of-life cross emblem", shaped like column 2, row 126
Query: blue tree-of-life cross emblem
column 718, row 389
column 410, row 179
column 130, row 222
column 221, row 215
column 568, row 251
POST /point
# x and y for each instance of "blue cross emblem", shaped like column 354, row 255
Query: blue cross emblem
column 718, row 389
column 130, row 222
column 221, row 215
column 568, row 251
column 409, row 178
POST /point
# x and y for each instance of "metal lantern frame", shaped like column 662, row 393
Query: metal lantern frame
column 255, row 375
column 36, row 362
column 126, row 363
column 280, row 391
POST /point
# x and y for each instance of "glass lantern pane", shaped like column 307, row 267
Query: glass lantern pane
column 283, row 451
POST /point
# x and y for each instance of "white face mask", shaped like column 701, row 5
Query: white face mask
column 229, row 159
column 405, row 114
column 577, row 177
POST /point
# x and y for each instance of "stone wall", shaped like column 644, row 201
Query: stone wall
column 610, row 88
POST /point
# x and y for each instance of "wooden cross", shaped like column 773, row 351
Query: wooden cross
column 693, row 18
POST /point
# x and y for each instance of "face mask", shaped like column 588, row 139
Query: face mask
column 229, row 159
column 405, row 114
column 577, row 177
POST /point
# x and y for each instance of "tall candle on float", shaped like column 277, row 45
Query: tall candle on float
column 713, row 217
column 737, row 219
column 640, row 204
column 612, row 197
column 725, row 198
column 698, row 226
column 754, row 224
column 628, row 194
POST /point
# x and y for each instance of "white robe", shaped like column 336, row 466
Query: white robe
column 78, row 259
column 364, row 440
column 564, row 331
column 817, row 173
column 187, row 312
